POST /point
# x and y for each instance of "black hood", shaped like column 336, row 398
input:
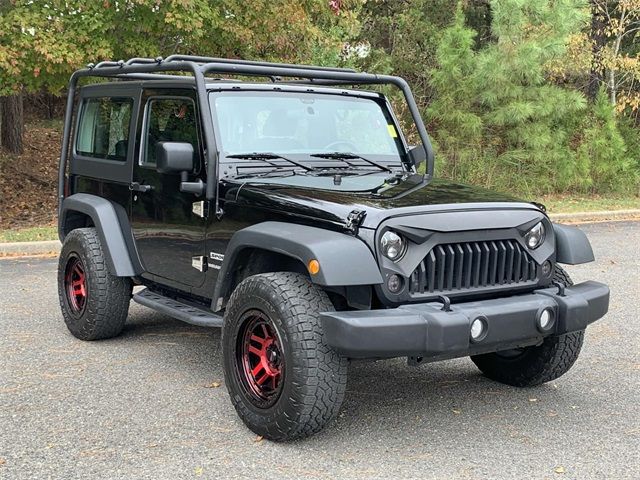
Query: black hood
column 406, row 195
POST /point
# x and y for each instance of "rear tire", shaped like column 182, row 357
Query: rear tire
column 531, row 366
column 284, row 381
column 94, row 303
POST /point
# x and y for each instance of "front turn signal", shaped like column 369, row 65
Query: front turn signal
column 313, row 266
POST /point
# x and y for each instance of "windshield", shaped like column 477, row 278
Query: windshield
column 301, row 124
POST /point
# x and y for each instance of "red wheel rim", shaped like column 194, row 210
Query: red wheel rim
column 75, row 283
column 260, row 359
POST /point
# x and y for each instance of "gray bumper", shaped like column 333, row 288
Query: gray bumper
column 426, row 331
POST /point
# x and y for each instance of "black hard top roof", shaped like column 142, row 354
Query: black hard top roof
column 226, row 84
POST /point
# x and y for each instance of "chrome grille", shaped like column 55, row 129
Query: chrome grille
column 461, row 266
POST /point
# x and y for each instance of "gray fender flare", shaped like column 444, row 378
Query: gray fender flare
column 344, row 260
column 572, row 245
column 111, row 222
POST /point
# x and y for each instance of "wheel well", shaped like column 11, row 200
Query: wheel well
column 74, row 219
column 253, row 261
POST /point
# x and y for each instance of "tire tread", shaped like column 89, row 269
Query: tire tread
column 109, row 296
column 320, row 386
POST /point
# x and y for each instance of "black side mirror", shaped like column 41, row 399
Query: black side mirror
column 174, row 157
column 177, row 157
column 417, row 155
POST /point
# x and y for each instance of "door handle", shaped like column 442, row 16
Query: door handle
column 136, row 187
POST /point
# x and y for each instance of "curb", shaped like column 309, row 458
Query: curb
column 582, row 217
column 52, row 247
column 26, row 249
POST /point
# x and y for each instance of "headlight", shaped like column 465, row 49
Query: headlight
column 535, row 236
column 393, row 245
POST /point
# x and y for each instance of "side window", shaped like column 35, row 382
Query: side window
column 169, row 120
column 104, row 128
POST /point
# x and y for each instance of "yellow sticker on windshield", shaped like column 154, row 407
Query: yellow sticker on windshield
column 392, row 131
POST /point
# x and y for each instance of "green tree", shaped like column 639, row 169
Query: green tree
column 528, row 119
column 501, row 104
column 603, row 159
column 455, row 116
column 43, row 41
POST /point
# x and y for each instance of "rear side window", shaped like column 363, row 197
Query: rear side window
column 104, row 128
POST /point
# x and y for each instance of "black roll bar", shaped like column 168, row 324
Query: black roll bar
column 144, row 68
column 233, row 61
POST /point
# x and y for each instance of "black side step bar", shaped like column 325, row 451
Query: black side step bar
column 177, row 310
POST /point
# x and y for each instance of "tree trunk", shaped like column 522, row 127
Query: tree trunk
column 613, row 87
column 12, row 127
column 598, row 42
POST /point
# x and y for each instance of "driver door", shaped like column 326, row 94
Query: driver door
column 168, row 229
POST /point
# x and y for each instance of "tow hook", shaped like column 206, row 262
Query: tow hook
column 354, row 220
column 446, row 303
column 560, row 286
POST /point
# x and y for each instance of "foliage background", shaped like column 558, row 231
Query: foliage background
column 534, row 97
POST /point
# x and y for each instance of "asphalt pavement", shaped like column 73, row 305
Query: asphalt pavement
column 152, row 402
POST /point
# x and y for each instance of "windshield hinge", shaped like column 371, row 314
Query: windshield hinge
column 354, row 220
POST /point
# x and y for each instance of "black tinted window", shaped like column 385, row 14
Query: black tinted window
column 104, row 128
column 169, row 120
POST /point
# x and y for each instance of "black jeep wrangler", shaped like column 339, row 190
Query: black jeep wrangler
column 291, row 213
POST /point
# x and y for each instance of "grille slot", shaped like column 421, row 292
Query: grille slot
column 462, row 266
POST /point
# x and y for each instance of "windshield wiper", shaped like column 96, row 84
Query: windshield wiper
column 350, row 156
column 266, row 156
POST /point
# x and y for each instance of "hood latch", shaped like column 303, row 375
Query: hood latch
column 354, row 220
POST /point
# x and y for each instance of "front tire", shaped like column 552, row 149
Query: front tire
column 94, row 303
column 284, row 381
column 535, row 365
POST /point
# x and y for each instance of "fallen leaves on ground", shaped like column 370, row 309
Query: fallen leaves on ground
column 213, row 385
column 559, row 469
column 29, row 182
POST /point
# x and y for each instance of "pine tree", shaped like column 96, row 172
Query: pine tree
column 458, row 126
column 602, row 156
column 498, row 120
column 528, row 119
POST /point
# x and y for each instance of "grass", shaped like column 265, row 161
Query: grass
column 32, row 234
column 571, row 204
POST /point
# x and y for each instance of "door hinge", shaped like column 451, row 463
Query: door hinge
column 199, row 263
column 200, row 208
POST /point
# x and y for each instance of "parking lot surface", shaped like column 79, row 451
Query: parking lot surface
column 152, row 402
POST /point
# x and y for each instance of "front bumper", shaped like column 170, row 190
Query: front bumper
column 425, row 330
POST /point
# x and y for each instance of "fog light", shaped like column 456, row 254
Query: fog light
column 546, row 268
column 546, row 320
column 394, row 283
column 478, row 329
